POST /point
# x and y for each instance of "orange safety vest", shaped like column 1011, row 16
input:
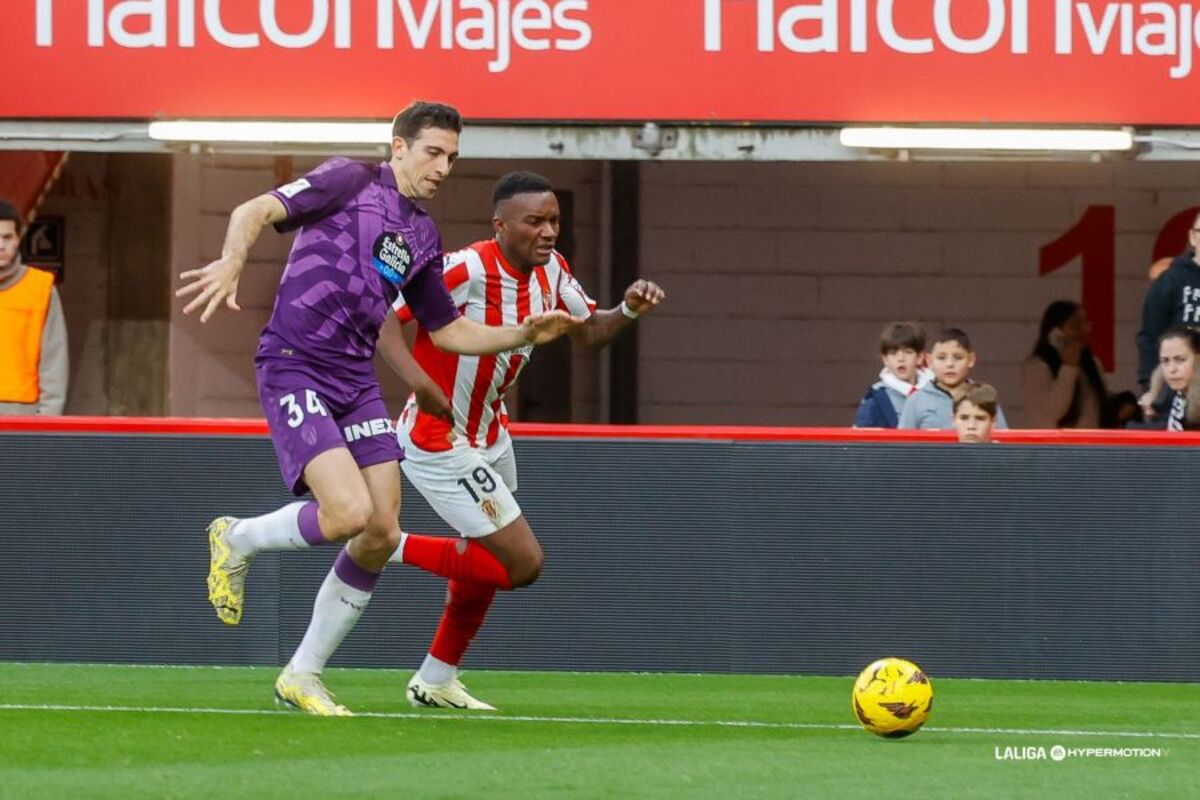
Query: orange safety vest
column 23, row 309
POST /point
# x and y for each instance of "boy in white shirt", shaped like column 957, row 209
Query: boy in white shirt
column 901, row 345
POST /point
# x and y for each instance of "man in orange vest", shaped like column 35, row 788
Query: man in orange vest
column 33, row 334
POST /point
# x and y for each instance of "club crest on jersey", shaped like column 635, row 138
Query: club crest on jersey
column 489, row 507
column 392, row 257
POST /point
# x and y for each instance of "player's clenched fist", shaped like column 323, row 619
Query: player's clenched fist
column 643, row 295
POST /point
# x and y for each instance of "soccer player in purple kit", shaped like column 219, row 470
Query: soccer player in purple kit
column 362, row 242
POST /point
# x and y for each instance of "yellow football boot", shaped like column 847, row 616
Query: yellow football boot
column 305, row 692
column 226, row 572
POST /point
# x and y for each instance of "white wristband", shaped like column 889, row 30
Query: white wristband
column 627, row 311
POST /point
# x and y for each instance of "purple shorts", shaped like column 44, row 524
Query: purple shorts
column 309, row 413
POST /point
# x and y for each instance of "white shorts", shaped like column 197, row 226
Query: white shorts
column 469, row 487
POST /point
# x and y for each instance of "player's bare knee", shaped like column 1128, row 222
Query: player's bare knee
column 527, row 570
column 393, row 538
column 381, row 537
column 347, row 519
column 337, row 532
column 524, row 576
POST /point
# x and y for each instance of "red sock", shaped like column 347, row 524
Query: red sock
column 440, row 555
column 465, row 609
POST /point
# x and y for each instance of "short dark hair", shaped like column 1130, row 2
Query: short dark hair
column 901, row 335
column 952, row 335
column 520, row 182
column 981, row 395
column 9, row 212
column 420, row 115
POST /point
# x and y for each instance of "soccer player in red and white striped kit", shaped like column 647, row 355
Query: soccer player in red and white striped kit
column 454, row 428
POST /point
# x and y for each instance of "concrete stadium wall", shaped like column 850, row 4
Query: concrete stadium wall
column 779, row 275
column 1007, row 561
column 115, row 289
column 82, row 196
column 782, row 275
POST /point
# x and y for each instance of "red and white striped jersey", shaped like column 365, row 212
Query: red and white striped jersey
column 487, row 290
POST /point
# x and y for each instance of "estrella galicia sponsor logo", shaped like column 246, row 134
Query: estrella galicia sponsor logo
column 392, row 257
column 367, row 428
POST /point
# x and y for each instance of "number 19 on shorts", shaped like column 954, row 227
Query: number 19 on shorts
column 483, row 479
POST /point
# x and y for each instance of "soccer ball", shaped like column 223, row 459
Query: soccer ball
column 892, row 697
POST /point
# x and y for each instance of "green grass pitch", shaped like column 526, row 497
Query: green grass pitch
column 129, row 732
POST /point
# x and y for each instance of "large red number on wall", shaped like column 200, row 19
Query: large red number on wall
column 1094, row 240
column 1173, row 235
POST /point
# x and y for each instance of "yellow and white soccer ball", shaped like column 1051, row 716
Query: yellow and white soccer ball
column 892, row 697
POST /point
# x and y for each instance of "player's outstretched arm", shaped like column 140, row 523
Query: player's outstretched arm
column 394, row 349
column 546, row 327
column 641, row 297
column 217, row 282
column 470, row 338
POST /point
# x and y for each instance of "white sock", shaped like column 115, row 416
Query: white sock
column 335, row 613
column 398, row 556
column 436, row 672
column 279, row 530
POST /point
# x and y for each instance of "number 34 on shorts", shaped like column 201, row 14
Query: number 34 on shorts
column 295, row 412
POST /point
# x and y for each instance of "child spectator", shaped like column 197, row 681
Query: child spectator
column 1173, row 401
column 932, row 406
column 975, row 414
column 900, row 347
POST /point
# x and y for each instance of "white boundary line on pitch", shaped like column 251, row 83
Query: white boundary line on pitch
column 558, row 672
column 693, row 723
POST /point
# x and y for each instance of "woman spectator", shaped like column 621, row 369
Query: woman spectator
column 1060, row 382
column 1173, row 401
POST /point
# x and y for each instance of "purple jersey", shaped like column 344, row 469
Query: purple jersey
column 361, row 243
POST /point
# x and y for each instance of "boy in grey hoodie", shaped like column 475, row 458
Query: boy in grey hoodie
column 951, row 359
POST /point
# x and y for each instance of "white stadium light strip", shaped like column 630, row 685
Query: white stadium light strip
column 890, row 138
column 266, row 131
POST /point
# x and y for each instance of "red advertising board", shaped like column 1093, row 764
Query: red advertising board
column 967, row 61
